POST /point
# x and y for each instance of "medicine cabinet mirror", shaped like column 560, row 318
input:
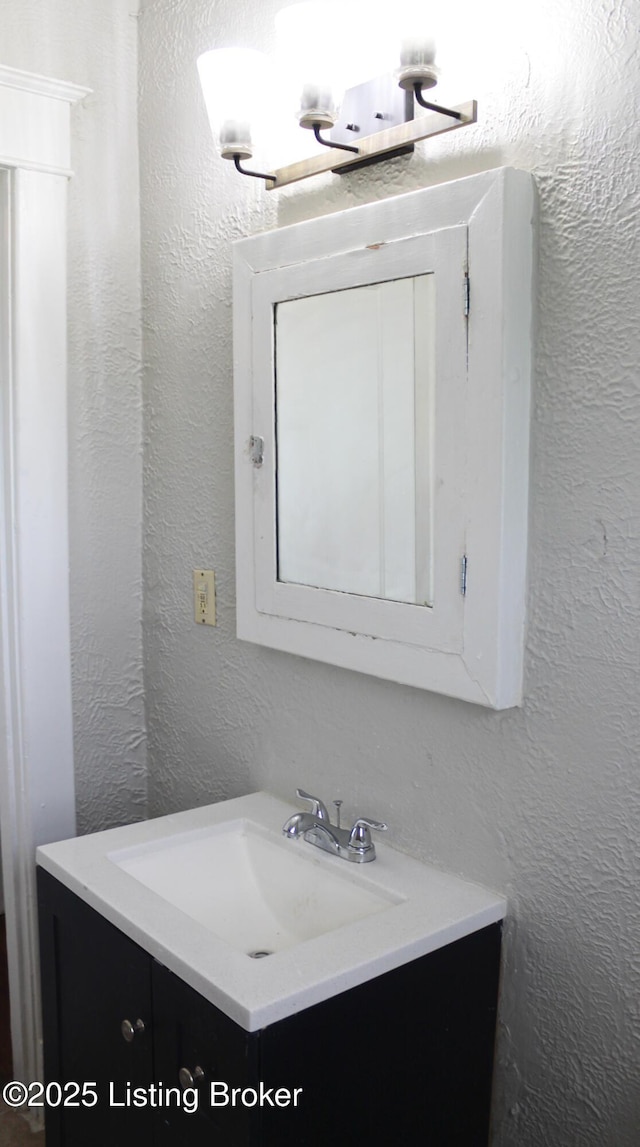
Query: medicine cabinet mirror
column 360, row 522
column 382, row 370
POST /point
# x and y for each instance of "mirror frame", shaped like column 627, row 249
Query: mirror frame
column 476, row 235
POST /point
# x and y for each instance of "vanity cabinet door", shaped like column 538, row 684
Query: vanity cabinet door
column 411, row 1049
column 93, row 979
column 192, row 1034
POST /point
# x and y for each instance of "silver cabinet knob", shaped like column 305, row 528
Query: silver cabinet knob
column 190, row 1079
column 129, row 1030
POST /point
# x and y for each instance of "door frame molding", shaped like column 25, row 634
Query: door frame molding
column 37, row 797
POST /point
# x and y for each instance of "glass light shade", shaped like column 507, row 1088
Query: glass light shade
column 327, row 47
column 312, row 52
column 235, row 86
column 417, row 47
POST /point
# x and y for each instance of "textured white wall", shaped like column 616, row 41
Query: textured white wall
column 93, row 43
column 542, row 801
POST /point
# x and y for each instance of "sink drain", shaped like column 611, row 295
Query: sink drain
column 259, row 953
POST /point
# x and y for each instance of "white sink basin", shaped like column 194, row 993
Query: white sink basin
column 258, row 893
column 202, row 890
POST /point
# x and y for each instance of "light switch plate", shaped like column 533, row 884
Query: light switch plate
column 204, row 597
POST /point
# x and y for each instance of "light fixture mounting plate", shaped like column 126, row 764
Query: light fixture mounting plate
column 368, row 109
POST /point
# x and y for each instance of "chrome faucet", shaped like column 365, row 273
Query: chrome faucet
column 315, row 827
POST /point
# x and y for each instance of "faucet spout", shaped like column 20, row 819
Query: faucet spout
column 298, row 824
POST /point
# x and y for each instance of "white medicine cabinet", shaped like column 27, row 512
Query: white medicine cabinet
column 382, row 361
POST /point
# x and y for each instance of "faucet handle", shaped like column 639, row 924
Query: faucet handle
column 318, row 809
column 360, row 835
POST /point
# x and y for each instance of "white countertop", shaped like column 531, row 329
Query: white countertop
column 432, row 909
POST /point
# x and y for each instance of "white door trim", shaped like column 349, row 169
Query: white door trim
column 37, row 800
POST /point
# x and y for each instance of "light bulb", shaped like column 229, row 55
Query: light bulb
column 416, row 44
column 417, row 62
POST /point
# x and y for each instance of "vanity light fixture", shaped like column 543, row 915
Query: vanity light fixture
column 359, row 123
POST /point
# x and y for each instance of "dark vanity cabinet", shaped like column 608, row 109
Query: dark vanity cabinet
column 404, row 1058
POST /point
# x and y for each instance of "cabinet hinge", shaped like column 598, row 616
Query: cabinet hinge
column 256, row 449
column 463, row 574
column 466, row 295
